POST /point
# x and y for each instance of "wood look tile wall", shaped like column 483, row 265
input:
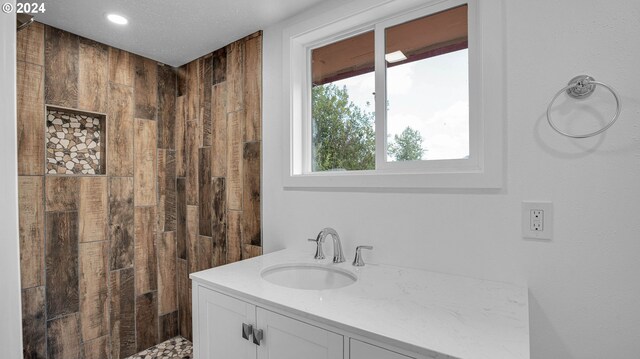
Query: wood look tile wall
column 105, row 259
column 122, row 313
column 218, row 162
column 88, row 243
column 30, row 85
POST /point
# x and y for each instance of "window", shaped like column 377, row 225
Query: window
column 395, row 101
column 342, row 105
column 427, row 87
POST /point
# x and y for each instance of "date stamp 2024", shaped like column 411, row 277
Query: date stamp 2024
column 24, row 8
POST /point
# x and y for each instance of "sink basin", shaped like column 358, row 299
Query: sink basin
column 308, row 276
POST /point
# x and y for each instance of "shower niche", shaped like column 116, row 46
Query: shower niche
column 74, row 142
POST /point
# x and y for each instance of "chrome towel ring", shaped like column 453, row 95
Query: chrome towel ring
column 581, row 87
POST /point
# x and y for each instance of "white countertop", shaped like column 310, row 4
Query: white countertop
column 422, row 311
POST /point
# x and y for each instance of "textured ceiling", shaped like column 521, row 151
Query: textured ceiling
column 173, row 32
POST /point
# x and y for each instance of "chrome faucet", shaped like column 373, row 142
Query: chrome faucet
column 357, row 261
column 338, row 256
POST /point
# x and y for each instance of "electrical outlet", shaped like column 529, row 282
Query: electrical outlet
column 537, row 220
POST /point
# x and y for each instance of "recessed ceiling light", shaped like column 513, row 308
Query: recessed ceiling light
column 395, row 56
column 117, row 19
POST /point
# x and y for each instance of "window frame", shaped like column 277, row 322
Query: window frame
column 306, row 150
column 483, row 169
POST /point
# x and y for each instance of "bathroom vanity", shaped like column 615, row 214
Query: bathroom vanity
column 257, row 309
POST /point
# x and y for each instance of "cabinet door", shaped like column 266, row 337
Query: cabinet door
column 286, row 338
column 361, row 350
column 218, row 320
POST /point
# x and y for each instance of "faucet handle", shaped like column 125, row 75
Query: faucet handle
column 319, row 253
column 357, row 261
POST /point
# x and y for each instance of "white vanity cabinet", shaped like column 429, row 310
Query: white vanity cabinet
column 229, row 328
column 362, row 350
column 287, row 338
column 217, row 326
column 386, row 313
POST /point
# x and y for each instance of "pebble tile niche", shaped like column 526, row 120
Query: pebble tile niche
column 74, row 142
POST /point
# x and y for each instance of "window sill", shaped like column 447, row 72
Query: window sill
column 395, row 180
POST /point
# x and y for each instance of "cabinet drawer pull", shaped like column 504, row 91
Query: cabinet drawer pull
column 257, row 336
column 247, row 331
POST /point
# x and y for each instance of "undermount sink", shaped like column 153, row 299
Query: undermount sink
column 308, row 276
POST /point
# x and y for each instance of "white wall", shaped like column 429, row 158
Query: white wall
column 584, row 285
column 10, row 317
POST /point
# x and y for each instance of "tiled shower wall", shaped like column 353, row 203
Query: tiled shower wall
column 105, row 258
column 218, row 146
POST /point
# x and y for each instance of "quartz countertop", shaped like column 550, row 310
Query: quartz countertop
column 425, row 312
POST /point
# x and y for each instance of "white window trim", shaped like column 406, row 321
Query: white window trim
column 484, row 169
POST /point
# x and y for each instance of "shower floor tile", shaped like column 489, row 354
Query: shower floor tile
column 175, row 348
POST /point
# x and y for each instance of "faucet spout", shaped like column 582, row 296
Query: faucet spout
column 338, row 255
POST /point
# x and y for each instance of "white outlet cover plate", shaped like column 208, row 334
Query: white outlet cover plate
column 547, row 232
